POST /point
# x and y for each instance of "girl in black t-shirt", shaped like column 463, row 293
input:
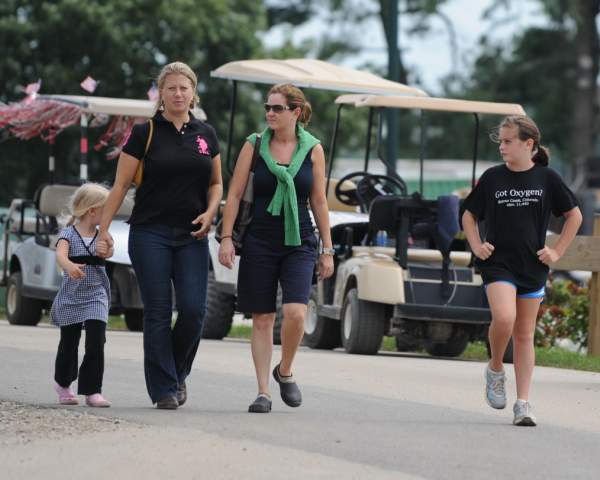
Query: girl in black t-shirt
column 515, row 200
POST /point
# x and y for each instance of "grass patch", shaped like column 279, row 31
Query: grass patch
column 240, row 331
column 559, row 358
column 544, row 357
column 116, row 322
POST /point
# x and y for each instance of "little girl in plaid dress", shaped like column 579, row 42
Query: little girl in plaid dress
column 83, row 299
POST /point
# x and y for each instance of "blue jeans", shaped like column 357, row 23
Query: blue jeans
column 160, row 255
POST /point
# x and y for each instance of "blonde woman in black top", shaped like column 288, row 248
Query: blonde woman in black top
column 174, row 209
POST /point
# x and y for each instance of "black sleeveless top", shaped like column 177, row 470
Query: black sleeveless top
column 267, row 226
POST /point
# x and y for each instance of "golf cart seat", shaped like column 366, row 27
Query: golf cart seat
column 51, row 202
column 332, row 201
column 436, row 221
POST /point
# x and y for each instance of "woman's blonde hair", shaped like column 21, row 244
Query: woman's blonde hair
column 89, row 195
column 181, row 69
column 526, row 129
column 295, row 99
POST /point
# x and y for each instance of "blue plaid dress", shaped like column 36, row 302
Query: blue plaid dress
column 84, row 299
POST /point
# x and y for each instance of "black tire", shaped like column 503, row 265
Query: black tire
column 508, row 354
column 452, row 348
column 21, row 310
column 406, row 343
column 278, row 318
column 362, row 324
column 220, row 307
column 134, row 319
column 319, row 332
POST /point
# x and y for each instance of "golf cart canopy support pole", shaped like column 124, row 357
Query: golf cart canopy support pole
column 336, row 126
column 51, row 161
column 369, row 132
column 422, row 149
column 231, row 123
column 475, row 146
column 83, row 147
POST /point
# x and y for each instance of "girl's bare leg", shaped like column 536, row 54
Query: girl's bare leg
column 502, row 300
column 524, row 352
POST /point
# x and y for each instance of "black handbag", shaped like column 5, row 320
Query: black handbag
column 244, row 215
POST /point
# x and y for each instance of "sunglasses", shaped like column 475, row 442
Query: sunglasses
column 277, row 108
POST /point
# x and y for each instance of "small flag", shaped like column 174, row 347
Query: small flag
column 31, row 90
column 89, row 84
column 153, row 93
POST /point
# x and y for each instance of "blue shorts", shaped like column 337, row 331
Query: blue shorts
column 522, row 292
column 265, row 263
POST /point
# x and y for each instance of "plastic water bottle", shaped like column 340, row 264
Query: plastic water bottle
column 381, row 238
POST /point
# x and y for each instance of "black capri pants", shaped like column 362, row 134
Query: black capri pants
column 265, row 263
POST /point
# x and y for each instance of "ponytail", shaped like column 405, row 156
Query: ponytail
column 527, row 129
column 305, row 115
column 542, row 156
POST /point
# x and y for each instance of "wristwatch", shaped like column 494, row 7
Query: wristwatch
column 327, row 251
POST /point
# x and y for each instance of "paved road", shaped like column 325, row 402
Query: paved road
column 387, row 416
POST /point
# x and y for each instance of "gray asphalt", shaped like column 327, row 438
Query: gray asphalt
column 387, row 416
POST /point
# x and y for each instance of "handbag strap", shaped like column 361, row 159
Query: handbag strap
column 150, row 132
column 255, row 153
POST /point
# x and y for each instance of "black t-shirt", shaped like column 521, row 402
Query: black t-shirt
column 177, row 171
column 267, row 226
column 515, row 208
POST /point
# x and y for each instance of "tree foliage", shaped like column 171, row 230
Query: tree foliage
column 123, row 44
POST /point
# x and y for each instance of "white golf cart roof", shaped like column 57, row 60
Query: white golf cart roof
column 114, row 106
column 431, row 103
column 311, row 73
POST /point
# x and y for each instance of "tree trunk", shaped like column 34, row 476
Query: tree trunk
column 585, row 108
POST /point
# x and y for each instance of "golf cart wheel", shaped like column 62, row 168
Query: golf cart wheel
column 319, row 332
column 405, row 343
column 220, row 307
column 362, row 324
column 21, row 310
column 134, row 319
column 278, row 317
column 452, row 348
column 508, row 354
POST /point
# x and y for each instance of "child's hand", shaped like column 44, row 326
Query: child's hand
column 75, row 270
column 548, row 255
column 102, row 249
column 484, row 251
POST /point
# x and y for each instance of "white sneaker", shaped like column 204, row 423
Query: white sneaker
column 495, row 388
column 523, row 414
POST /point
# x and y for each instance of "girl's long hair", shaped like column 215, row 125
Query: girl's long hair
column 526, row 129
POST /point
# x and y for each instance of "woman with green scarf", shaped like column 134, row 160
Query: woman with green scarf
column 280, row 246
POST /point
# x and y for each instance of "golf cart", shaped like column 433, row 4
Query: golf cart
column 307, row 73
column 31, row 227
column 403, row 271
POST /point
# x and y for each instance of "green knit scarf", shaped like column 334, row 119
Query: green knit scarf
column 285, row 193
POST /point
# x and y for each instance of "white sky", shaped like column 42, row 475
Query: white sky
column 430, row 56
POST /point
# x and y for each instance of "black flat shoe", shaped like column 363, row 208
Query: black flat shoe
column 181, row 394
column 262, row 404
column 290, row 393
column 167, row 403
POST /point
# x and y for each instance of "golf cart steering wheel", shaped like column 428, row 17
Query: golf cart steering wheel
column 368, row 187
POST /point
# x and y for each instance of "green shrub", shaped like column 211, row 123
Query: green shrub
column 564, row 314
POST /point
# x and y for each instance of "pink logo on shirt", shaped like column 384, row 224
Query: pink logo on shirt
column 202, row 145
